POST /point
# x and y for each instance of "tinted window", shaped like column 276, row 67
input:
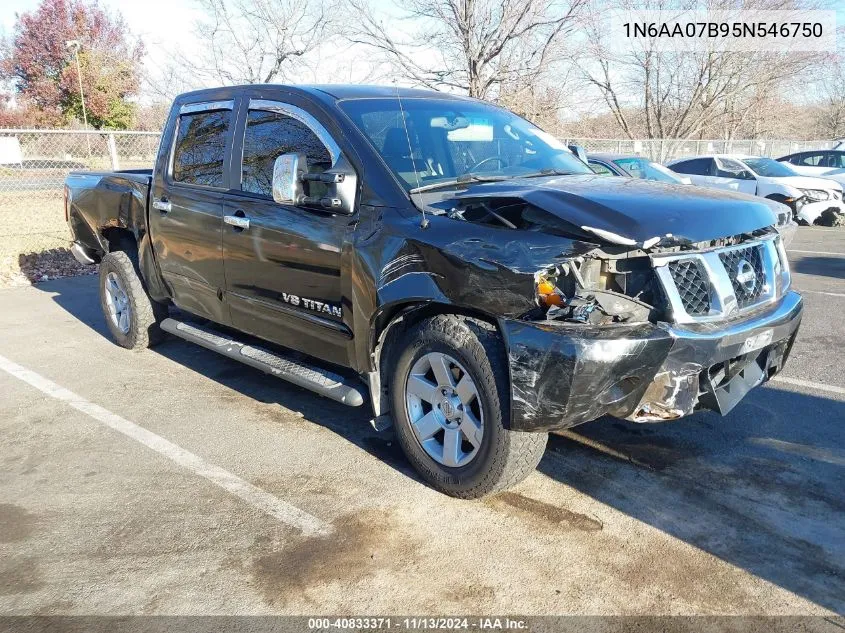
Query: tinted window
column 200, row 147
column 600, row 169
column 810, row 160
column 697, row 166
column 835, row 160
column 268, row 135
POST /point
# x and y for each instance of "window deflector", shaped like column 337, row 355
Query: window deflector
column 303, row 117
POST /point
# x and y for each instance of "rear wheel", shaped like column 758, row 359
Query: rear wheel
column 450, row 398
column 131, row 314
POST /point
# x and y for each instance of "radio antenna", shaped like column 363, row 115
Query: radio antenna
column 424, row 222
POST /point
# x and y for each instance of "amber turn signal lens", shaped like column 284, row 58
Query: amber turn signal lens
column 548, row 294
column 545, row 288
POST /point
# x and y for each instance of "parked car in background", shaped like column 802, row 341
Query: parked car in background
column 632, row 166
column 808, row 197
column 824, row 163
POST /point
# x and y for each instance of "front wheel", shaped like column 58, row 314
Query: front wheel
column 131, row 314
column 450, row 397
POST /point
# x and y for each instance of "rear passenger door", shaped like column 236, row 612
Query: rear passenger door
column 283, row 272
column 809, row 163
column 186, row 214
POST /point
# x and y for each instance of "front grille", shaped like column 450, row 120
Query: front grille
column 693, row 286
column 721, row 282
column 745, row 270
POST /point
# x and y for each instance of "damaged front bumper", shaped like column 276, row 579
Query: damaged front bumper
column 812, row 211
column 563, row 374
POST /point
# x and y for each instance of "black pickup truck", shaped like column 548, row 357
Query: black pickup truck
column 442, row 258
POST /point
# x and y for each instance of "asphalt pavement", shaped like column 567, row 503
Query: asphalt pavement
column 175, row 481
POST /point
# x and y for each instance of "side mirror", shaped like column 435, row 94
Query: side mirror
column 291, row 170
column 579, row 151
column 287, row 178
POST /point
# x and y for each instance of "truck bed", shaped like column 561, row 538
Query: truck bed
column 98, row 200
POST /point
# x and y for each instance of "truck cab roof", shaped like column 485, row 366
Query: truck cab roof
column 322, row 92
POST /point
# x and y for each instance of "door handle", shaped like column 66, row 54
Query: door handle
column 162, row 205
column 238, row 221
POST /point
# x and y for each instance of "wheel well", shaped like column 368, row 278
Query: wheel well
column 120, row 239
column 391, row 323
column 388, row 329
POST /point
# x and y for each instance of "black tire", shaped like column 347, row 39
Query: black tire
column 145, row 313
column 504, row 457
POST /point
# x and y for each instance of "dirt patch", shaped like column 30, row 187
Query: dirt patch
column 15, row 523
column 30, row 268
column 544, row 512
column 361, row 545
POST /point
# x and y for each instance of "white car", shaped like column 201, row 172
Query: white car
column 824, row 163
column 808, row 197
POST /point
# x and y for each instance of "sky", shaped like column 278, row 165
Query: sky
column 164, row 26
column 159, row 23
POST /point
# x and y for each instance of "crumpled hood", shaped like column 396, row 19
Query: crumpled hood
column 639, row 210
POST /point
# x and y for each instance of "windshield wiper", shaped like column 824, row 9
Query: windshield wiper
column 548, row 172
column 463, row 179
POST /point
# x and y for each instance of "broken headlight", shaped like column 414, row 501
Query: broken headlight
column 816, row 195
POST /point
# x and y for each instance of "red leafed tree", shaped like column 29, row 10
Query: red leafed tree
column 42, row 71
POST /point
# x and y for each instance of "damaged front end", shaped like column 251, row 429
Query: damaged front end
column 647, row 330
column 652, row 337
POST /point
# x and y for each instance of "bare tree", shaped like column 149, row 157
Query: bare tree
column 474, row 46
column 257, row 41
column 831, row 118
column 680, row 95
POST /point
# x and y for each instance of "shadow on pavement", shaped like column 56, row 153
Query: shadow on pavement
column 823, row 266
column 762, row 489
column 79, row 297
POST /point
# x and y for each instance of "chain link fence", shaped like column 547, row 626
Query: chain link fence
column 663, row 150
column 34, row 164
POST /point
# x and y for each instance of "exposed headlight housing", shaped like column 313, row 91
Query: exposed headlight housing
column 816, row 195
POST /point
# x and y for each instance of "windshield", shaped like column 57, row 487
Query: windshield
column 644, row 168
column 446, row 140
column 768, row 167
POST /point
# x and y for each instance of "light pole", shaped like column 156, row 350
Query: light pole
column 73, row 46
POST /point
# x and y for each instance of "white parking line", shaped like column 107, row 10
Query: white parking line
column 264, row 501
column 809, row 384
column 795, row 250
column 822, row 292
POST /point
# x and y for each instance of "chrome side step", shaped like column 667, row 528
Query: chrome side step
column 316, row 379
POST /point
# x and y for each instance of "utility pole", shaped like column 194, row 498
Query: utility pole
column 74, row 46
